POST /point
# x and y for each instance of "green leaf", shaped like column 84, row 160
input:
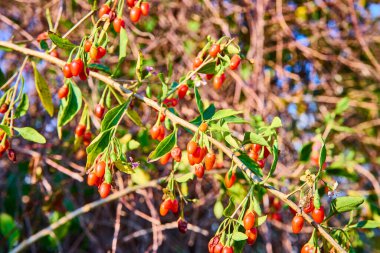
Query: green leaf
column 250, row 164
column 218, row 209
column 209, row 68
column 185, row 178
column 235, row 120
column 134, row 116
column 30, row 134
column 123, row 44
column 72, row 105
column 113, row 116
column 276, row 123
column 133, row 144
column 366, row 224
column 43, row 91
column 239, row 236
column 2, row 78
column 224, row 114
column 139, row 65
column 44, row 45
column 164, row 147
column 140, row 177
column 124, row 167
column 342, row 105
column 322, row 155
column 229, row 210
column 208, row 113
column 230, row 140
column 61, row 42
column 23, row 106
column 198, row 99
column 260, row 220
column 98, row 145
column 274, row 163
column 305, row 152
column 9, row 229
column 232, row 48
column 258, row 139
column 345, row 204
column 100, row 67
column 6, row 129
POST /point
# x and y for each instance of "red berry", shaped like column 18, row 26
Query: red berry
column 165, row 158
column 67, row 70
column 174, row 207
column 252, row 235
column 155, row 132
column 4, row 108
column 266, row 153
column 174, row 102
column 199, row 170
column 145, row 8
column 12, row 155
column 4, row 147
column 191, row 147
column 87, row 138
column 42, row 36
column 101, row 52
column 165, row 206
column 256, row 148
column 87, row 46
column 83, row 75
column 182, row 90
column 210, row 161
column 297, row 223
column 54, row 53
column 197, row 62
column 94, row 53
column 92, row 179
column 235, row 61
column 161, row 136
column 218, row 81
column 249, row 220
column 229, row 180
column 276, row 204
column 176, row 153
column 100, row 169
column 135, row 14
column 182, row 225
column 63, row 91
column 118, row 23
column 261, row 163
column 99, row 111
column 79, row 130
column 76, row 67
column 191, row 159
column 105, row 9
column 131, row 3
column 203, row 127
column 218, row 248
column 228, row 249
column 318, row 215
column 214, row 50
column 212, row 243
column 209, row 76
column 309, row 207
column 104, row 190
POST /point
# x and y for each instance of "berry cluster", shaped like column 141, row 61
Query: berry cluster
column 83, row 133
column 213, row 52
column 258, row 153
column 215, row 245
column 318, row 215
column 138, row 9
column 5, row 146
column 96, row 178
column 249, row 225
